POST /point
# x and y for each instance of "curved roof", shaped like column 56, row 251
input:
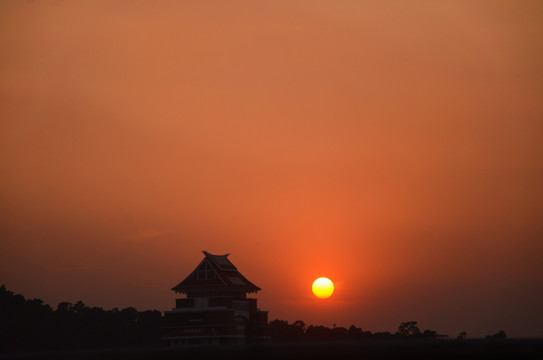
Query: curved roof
column 215, row 272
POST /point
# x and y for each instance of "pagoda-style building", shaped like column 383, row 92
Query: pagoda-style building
column 216, row 309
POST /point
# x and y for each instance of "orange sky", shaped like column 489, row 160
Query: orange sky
column 392, row 146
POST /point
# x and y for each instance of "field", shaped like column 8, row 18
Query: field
column 435, row 349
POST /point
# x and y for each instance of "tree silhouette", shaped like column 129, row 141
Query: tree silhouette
column 408, row 328
column 281, row 330
column 32, row 325
column 355, row 332
column 461, row 335
column 500, row 335
column 300, row 325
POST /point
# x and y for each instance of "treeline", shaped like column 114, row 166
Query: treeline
column 29, row 324
column 281, row 330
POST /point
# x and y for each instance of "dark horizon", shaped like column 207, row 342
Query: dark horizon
column 291, row 330
column 29, row 325
column 31, row 329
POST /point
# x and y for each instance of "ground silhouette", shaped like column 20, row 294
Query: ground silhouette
column 75, row 330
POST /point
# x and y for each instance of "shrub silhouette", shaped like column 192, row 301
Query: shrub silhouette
column 500, row 335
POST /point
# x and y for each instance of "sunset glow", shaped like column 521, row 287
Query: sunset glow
column 392, row 146
column 323, row 288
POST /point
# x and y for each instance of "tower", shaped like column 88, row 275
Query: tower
column 215, row 309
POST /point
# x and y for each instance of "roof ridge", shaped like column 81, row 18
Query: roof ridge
column 227, row 276
column 210, row 254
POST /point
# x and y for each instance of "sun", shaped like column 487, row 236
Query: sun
column 323, row 288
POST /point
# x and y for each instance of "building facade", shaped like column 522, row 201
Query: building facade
column 215, row 308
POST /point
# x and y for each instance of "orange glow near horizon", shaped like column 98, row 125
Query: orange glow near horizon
column 323, row 288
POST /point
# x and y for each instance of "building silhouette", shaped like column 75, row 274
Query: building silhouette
column 215, row 309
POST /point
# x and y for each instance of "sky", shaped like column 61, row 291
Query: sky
column 392, row 146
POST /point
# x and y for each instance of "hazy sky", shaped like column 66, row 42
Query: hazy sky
column 392, row 146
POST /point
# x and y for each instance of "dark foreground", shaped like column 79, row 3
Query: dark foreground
column 436, row 349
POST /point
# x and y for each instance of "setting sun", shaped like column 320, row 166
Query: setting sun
column 323, row 288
